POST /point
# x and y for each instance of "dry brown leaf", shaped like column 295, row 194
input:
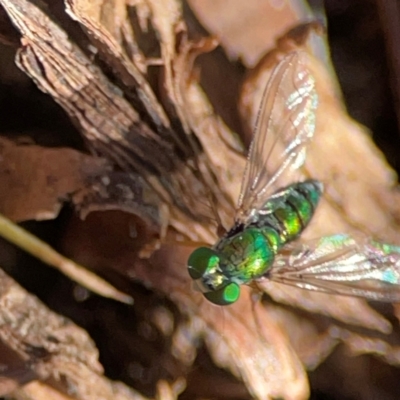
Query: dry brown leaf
column 110, row 32
column 16, row 373
column 8, row 35
column 187, row 103
column 38, row 186
column 39, row 180
column 52, row 347
column 229, row 19
column 110, row 124
column 39, row 390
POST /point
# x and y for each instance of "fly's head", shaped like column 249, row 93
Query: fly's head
column 206, row 268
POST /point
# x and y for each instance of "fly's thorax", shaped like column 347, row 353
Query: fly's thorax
column 293, row 213
column 236, row 259
column 246, row 255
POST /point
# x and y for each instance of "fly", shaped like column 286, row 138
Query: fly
column 265, row 240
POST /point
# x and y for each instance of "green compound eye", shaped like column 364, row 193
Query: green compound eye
column 225, row 296
column 201, row 260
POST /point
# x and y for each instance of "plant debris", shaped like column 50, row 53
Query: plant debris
column 165, row 169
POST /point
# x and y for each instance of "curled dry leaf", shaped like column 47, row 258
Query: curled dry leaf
column 48, row 177
column 37, row 187
column 53, row 348
column 189, row 112
column 8, row 35
column 16, row 373
column 229, row 19
column 166, row 131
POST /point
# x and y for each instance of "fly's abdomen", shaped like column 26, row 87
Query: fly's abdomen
column 299, row 202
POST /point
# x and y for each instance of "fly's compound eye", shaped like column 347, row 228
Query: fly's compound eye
column 224, row 296
column 202, row 260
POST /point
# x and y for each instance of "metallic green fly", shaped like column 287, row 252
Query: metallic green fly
column 265, row 240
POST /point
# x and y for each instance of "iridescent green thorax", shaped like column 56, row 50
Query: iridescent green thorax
column 248, row 251
column 245, row 255
column 235, row 260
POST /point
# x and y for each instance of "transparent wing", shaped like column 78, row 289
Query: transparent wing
column 342, row 265
column 285, row 125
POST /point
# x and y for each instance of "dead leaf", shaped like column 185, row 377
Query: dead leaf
column 47, row 177
column 136, row 101
column 229, row 19
column 53, row 348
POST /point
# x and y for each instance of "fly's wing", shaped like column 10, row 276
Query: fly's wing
column 285, row 125
column 342, row 265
